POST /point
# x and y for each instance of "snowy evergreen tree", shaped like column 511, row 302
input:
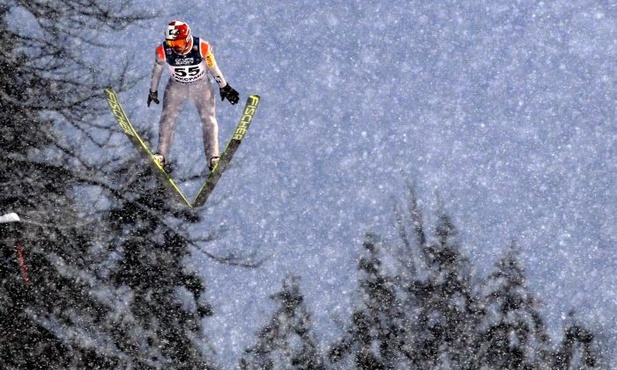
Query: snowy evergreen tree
column 447, row 308
column 375, row 337
column 513, row 334
column 287, row 341
column 160, row 323
column 438, row 290
column 578, row 349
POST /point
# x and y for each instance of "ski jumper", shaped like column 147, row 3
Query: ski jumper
column 189, row 80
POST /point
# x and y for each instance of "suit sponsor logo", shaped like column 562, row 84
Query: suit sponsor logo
column 210, row 61
column 184, row 61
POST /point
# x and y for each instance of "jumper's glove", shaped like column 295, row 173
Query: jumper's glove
column 228, row 92
column 153, row 96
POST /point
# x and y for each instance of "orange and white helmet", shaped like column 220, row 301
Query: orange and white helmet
column 178, row 36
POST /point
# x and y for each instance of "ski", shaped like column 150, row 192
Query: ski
column 142, row 148
column 247, row 117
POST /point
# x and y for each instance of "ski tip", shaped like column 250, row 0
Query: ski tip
column 109, row 92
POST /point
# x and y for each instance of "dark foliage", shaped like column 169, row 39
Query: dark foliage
column 578, row 349
column 512, row 333
column 286, row 342
column 432, row 312
column 376, row 335
column 161, row 327
column 71, row 312
column 39, row 316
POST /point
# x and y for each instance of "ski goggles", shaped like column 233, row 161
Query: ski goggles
column 176, row 43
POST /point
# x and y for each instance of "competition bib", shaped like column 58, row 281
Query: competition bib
column 189, row 73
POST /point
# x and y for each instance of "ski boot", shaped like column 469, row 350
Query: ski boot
column 160, row 159
column 213, row 161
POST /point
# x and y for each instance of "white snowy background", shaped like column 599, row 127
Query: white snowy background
column 500, row 111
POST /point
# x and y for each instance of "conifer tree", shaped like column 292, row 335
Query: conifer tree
column 578, row 349
column 287, row 341
column 375, row 338
column 160, row 323
column 513, row 334
column 446, row 306
column 438, row 290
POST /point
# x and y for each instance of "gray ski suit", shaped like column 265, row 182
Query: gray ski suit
column 189, row 80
